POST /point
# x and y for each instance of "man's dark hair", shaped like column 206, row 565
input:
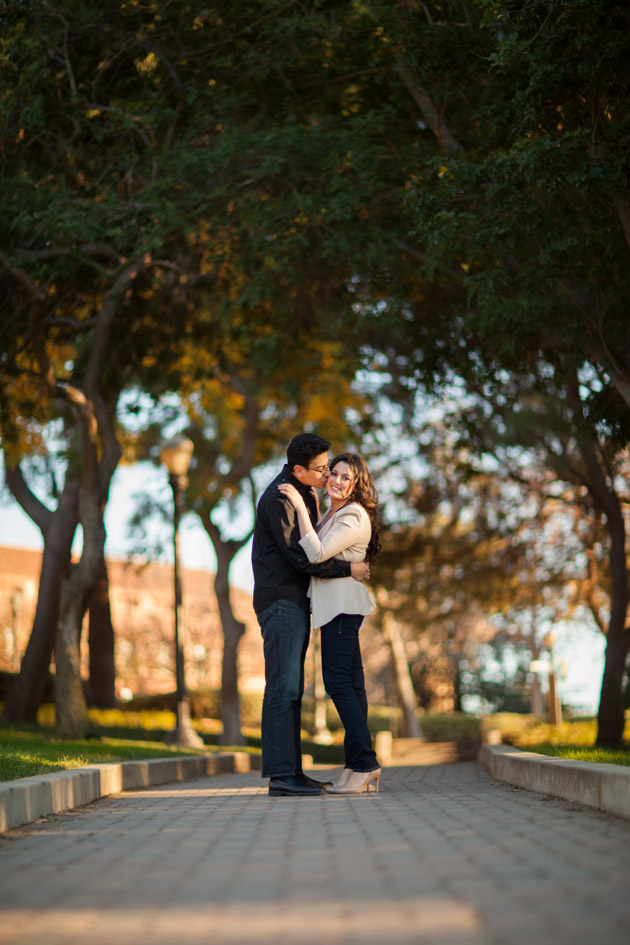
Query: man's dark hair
column 305, row 447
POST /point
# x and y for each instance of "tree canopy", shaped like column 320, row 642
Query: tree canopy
column 438, row 191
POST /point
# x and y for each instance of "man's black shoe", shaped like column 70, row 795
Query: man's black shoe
column 292, row 786
column 320, row 784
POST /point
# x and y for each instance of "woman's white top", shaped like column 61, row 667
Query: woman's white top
column 345, row 535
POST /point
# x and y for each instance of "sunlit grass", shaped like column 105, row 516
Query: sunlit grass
column 147, row 719
column 117, row 735
column 573, row 739
column 124, row 735
column 27, row 753
column 611, row 756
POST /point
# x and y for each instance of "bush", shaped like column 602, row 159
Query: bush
column 204, row 704
column 524, row 731
column 511, row 725
column 457, row 727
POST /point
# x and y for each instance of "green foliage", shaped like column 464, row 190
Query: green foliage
column 609, row 756
column 527, row 731
column 24, row 754
column 574, row 739
column 452, row 727
column 156, row 711
column 438, row 189
column 527, row 210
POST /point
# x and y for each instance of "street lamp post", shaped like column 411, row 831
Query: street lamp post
column 176, row 455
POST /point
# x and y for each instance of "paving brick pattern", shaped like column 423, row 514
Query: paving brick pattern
column 443, row 854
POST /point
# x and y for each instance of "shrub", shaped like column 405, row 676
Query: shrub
column 452, row 727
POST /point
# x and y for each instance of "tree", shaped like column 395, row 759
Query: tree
column 553, row 425
column 101, row 688
column 475, row 555
column 98, row 181
column 519, row 219
column 58, row 528
column 447, row 173
column 241, row 412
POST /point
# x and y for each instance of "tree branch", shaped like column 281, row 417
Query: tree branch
column 447, row 141
column 34, row 508
column 85, row 249
column 105, row 318
column 23, row 277
column 418, row 256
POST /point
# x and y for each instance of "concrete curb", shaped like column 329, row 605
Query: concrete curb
column 28, row 799
column 605, row 787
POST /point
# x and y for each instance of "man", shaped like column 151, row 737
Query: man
column 281, row 578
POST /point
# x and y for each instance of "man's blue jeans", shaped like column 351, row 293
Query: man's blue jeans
column 342, row 669
column 285, row 628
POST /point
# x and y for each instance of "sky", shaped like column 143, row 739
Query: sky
column 16, row 528
column 578, row 647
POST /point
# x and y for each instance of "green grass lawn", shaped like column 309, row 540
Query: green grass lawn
column 26, row 753
column 610, row 756
column 117, row 735
column 124, row 735
column 573, row 739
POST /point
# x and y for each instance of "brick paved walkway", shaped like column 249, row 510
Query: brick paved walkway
column 442, row 855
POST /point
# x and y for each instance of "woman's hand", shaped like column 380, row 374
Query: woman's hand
column 292, row 494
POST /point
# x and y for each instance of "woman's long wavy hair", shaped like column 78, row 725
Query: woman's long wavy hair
column 364, row 492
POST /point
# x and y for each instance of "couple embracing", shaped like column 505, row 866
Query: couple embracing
column 301, row 564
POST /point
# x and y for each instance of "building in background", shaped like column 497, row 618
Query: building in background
column 141, row 600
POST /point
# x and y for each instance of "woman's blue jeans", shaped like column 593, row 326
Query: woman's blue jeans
column 285, row 629
column 342, row 670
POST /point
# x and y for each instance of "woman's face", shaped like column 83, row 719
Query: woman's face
column 340, row 481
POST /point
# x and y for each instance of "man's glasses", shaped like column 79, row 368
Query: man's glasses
column 319, row 469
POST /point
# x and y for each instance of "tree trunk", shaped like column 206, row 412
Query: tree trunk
column 71, row 713
column 409, row 703
column 101, row 690
column 233, row 630
column 610, row 716
column 100, row 455
column 29, row 687
column 457, row 681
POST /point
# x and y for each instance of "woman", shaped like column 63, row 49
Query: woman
column 347, row 531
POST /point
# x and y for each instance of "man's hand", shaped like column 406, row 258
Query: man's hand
column 360, row 571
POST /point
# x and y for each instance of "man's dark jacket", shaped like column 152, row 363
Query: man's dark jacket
column 281, row 569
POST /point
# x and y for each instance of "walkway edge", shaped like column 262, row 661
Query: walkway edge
column 27, row 799
column 603, row 786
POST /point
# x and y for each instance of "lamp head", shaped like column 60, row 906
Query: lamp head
column 176, row 454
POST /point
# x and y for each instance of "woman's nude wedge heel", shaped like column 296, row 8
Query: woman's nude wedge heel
column 357, row 783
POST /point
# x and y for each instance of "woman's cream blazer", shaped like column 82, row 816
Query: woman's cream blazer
column 344, row 535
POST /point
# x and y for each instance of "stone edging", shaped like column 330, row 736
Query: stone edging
column 27, row 799
column 603, row 786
